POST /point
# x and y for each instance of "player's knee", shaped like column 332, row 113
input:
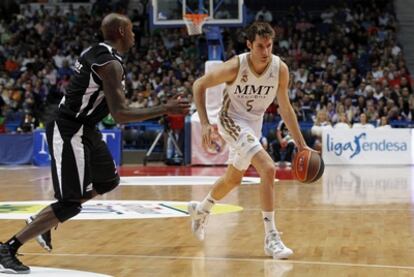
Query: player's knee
column 267, row 170
column 102, row 188
column 65, row 209
column 269, row 166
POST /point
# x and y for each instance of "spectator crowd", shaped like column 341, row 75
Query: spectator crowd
column 38, row 49
column 345, row 62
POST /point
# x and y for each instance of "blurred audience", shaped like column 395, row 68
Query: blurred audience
column 283, row 145
column 363, row 123
column 321, row 123
column 346, row 65
column 383, row 123
column 342, row 123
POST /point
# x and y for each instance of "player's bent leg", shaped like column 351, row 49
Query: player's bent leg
column 199, row 212
column 266, row 168
column 246, row 146
column 244, row 149
column 44, row 221
column 273, row 245
column 40, row 224
column 226, row 183
column 45, row 239
column 63, row 210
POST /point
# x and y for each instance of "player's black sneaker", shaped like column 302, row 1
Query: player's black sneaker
column 9, row 263
column 45, row 239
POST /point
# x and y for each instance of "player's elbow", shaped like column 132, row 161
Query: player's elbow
column 198, row 86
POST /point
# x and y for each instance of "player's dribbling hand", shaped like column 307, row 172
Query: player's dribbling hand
column 207, row 132
column 177, row 105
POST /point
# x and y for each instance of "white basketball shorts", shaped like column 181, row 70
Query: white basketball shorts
column 243, row 140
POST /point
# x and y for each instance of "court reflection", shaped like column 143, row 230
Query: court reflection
column 274, row 268
column 367, row 185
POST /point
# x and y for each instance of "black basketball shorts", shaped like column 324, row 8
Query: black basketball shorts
column 80, row 160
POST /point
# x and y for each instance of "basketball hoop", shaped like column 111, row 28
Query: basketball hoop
column 194, row 23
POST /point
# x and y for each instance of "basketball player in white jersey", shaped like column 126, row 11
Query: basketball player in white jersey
column 252, row 80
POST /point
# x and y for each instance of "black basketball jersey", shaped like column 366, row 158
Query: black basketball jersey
column 84, row 99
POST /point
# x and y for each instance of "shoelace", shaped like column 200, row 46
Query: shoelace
column 275, row 241
column 203, row 217
column 204, row 220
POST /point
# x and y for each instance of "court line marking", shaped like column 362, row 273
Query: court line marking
column 330, row 210
column 172, row 208
column 46, row 177
column 17, row 167
column 222, row 259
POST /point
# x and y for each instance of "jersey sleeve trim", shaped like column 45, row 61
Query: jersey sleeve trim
column 102, row 64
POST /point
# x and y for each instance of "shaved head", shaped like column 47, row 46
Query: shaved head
column 111, row 25
column 117, row 30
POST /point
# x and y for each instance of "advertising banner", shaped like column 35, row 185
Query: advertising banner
column 41, row 155
column 367, row 146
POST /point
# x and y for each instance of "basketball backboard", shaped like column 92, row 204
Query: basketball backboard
column 169, row 13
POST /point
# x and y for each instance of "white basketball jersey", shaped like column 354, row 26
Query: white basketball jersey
column 248, row 97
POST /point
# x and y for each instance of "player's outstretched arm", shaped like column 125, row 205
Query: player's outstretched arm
column 286, row 109
column 111, row 76
column 223, row 73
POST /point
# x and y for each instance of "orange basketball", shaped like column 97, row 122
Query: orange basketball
column 307, row 166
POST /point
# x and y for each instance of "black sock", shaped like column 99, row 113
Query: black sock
column 14, row 245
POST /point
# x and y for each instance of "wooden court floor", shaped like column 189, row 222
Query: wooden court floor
column 356, row 221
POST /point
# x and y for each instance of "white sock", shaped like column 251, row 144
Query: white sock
column 269, row 221
column 207, row 203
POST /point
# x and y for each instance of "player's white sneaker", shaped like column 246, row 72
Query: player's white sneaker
column 273, row 246
column 198, row 220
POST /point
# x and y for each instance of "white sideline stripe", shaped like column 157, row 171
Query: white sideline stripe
column 179, row 180
column 40, row 178
column 222, row 259
column 17, row 167
column 329, row 210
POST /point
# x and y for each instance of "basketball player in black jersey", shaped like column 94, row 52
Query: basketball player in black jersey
column 82, row 166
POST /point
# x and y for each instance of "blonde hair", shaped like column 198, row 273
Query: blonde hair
column 321, row 116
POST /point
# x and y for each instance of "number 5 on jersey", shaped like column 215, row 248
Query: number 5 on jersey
column 249, row 105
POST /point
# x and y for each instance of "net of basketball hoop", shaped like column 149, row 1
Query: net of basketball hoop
column 194, row 23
